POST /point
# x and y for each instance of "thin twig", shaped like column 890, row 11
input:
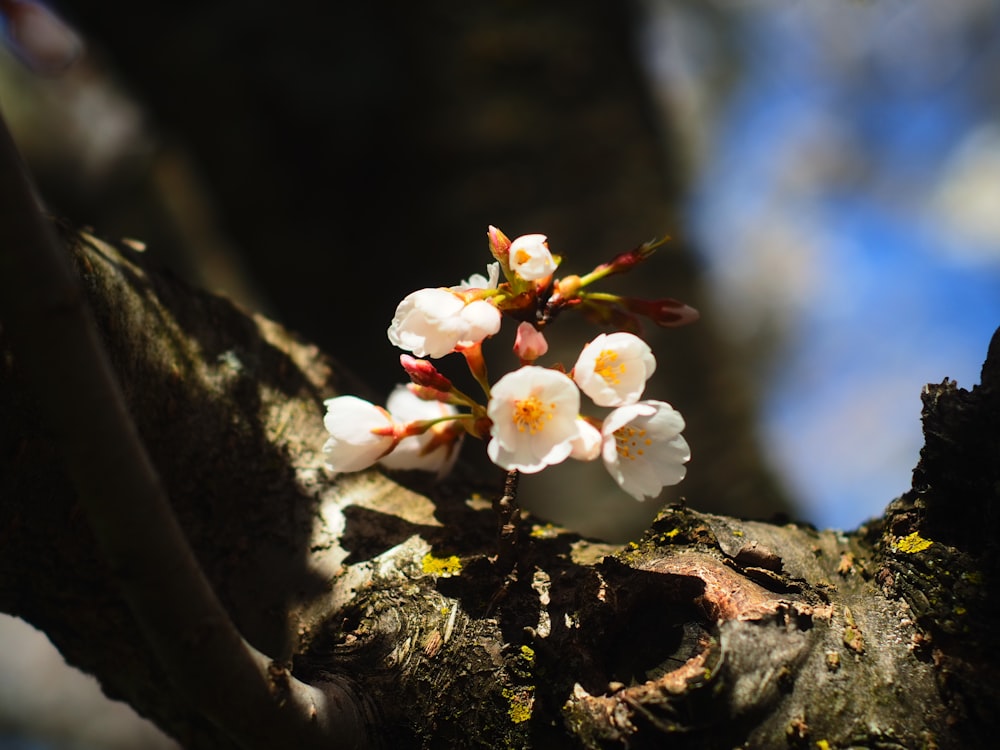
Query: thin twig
column 55, row 343
column 508, row 520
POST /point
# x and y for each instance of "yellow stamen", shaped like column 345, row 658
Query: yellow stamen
column 627, row 442
column 530, row 414
column 605, row 366
column 521, row 257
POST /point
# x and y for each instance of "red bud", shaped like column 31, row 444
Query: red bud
column 499, row 245
column 424, row 373
column 666, row 312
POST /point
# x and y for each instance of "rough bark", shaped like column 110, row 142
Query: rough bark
column 709, row 631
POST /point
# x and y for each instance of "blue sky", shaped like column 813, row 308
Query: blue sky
column 846, row 210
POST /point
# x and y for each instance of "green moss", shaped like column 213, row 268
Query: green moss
column 443, row 567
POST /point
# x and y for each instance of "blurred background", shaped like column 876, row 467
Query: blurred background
column 829, row 171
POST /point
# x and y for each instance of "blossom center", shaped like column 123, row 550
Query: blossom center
column 631, row 442
column 530, row 414
column 605, row 366
column 521, row 257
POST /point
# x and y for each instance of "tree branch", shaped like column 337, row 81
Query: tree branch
column 708, row 632
column 55, row 342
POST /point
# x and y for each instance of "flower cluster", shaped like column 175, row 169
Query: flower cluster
column 532, row 415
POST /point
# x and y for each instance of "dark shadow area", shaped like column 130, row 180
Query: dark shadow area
column 354, row 154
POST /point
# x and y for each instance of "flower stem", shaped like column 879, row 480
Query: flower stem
column 477, row 366
column 508, row 519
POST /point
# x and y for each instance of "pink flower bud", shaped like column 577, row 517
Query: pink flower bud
column 499, row 245
column 529, row 343
column 422, row 372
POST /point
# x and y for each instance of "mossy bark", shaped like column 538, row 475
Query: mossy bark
column 709, row 631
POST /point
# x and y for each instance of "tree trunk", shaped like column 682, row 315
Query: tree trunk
column 709, row 631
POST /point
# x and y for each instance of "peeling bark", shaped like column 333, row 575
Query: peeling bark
column 709, row 631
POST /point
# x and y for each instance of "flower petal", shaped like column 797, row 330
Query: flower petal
column 613, row 368
column 432, row 322
column 354, row 443
column 434, row 450
column 643, row 449
column 530, row 257
column 534, row 413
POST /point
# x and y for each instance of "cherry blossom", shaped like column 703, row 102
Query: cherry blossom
column 531, row 416
column 433, row 322
column 586, row 446
column 530, row 257
column 433, row 450
column 613, row 368
column 534, row 419
column 643, row 448
column 360, row 433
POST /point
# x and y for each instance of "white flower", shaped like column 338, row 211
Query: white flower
column 432, row 322
column 478, row 281
column 613, row 368
column 643, row 449
column 530, row 257
column 586, row 446
column 360, row 433
column 534, row 413
column 440, row 442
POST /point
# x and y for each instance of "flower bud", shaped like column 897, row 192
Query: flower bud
column 666, row 312
column 530, row 257
column 423, row 373
column 499, row 245
column 529, row 343
column 568, row 287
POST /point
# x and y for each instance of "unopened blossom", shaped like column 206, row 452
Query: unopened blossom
column 534, row 419
column 643, row 448
column 499, row 245
column 433, row 322
column 613, row 368
column 530, row 257
column 360, row 433
column 529, row 343
column 422, row 372
column 434, row 450
column 666, row 312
